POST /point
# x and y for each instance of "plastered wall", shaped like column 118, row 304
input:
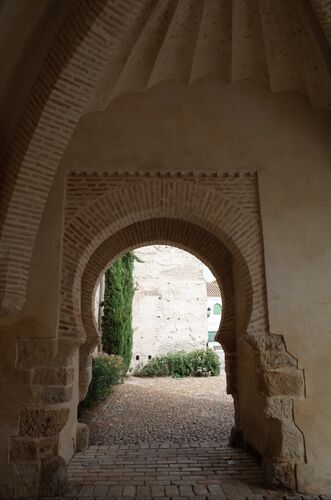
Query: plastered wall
column 213, row 127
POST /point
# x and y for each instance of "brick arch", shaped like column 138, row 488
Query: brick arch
column 104, row 35
column 106, row 214
column 117, row 212
column 89, row 224
column 181, row 234
column 177, row 233
column 221, row 210
column 59, row 97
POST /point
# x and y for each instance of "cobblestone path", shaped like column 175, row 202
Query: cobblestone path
column 164, row 438
column 162, row 410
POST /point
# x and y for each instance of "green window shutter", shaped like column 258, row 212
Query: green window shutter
column 217, row 309
column 211, row 336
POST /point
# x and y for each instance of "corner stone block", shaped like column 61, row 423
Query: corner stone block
column 39, row 422
column 82, row 437
column 283, row 383
column 279, row 408
column 286, row 442
column 275, row 360
column 281, row 475
column 66, row 349
column 7, row 480
column 27, row 480
column 53, row 476
column 25, row 450
column 266, row 342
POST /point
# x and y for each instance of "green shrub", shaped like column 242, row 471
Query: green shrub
column 107, row 370
column 116, row 322
column 198, row 363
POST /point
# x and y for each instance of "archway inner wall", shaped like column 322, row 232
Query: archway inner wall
column 227, row 208
column 183, row 235
column 222, row 212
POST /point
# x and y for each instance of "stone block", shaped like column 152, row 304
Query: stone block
column 66, row 349
column 27, row 480
column 285, row 442
column 53, row 395
column 53, row 476
column 279, row 474
column 266, row 342
column 53, row 376
column 283, row 383
column 275, row 360
column 34, row 352
column 25, row 449
column 39, row 422
column 82, row 436
column 279, row 407
column 7, row 480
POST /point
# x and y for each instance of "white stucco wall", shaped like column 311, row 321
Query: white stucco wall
column 170, row 303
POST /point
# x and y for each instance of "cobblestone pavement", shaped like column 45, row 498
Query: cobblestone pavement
column 161, row 410
column 165, row 438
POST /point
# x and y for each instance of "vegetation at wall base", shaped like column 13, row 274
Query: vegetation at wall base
column 116, row 323
column 106, row 371
column 198, row 363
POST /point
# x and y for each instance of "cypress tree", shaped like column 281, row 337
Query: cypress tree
column 116, row 323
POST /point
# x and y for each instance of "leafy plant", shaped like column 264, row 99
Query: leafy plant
column 106, row 371
column 198, row 363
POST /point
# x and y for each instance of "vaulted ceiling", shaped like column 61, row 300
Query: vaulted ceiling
column 66, row 58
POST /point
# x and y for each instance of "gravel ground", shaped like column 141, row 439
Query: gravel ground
column 163, row 410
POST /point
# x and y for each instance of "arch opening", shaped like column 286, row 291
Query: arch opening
column 172, row 294
column 169, row 284
column 190, row 238
column 217, row 220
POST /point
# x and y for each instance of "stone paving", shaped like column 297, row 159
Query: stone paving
column 165, row 439
column 166, row 470
column 163, row 409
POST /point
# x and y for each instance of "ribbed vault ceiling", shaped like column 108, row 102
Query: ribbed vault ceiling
column 322, row 9
column 271, row 42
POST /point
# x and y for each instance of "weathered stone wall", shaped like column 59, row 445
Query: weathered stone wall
column 170, row 303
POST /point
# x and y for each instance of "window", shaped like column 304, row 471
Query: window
column 211, row 336
column 217, row 309
column 137, row 357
